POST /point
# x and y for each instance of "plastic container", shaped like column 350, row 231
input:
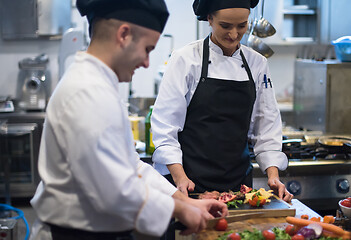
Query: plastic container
column 342, row 48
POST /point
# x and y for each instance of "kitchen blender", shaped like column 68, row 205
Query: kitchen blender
column 33, row 83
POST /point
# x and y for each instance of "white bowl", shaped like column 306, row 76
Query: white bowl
column 345, row 210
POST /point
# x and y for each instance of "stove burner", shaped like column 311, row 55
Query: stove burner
column 295, row 150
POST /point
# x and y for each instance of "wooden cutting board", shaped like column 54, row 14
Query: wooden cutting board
column 275, row 208
column 257, row 223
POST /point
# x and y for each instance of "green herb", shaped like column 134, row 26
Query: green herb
column 280, row 234
column 234, row 203
column 254, row 235
column 224, row 236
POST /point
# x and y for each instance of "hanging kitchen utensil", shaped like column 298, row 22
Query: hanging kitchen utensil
column 263, row 28
column 258, row 45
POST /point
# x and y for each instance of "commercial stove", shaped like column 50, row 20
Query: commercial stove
column 317, row 176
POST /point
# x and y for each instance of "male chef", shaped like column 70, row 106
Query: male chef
column 94, row 185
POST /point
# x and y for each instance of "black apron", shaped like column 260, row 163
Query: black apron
column 214, row 139
column 63, row 233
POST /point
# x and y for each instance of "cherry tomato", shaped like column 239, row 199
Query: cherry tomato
column 346, row 203
column 234, row 236
column 221, row 225
column 291, row 230
column 298, row 237
column 252, row 203
column 268, row 235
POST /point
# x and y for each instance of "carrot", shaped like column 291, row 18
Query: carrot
column 329, row 234
column 328, row 219
column 347, row 235
column 326, row 226
column 305, row 216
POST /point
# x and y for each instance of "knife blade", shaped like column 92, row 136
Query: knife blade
column 211, row 224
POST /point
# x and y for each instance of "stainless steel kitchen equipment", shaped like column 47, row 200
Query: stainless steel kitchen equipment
column 19, row 145
column 322, row 96
column 23, row 19
column 258, row 45
column 263, row 28
column 317, row 176
column 33, row 83
column 254, row 41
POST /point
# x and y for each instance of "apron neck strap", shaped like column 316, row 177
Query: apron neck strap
column 205, row 56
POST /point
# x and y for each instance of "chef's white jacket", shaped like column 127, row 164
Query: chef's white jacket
column 178, row 86
column 92, row 177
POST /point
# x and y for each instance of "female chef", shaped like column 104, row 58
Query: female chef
column 217, row 96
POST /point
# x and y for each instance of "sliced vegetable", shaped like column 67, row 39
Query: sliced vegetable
column 328, row 219
column 307, row 233
column 317, row 229
column 305, row 216
column 316, row 219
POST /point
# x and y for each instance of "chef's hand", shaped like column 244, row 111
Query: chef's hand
column 195, row 219
column 183, row 183
column 276, row 185
column 214, row 207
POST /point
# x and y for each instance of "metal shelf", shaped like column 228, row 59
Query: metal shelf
column 299, row 12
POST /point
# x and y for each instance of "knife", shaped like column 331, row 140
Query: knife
column 211, row 224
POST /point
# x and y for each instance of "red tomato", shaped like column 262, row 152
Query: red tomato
column 298, row 237
column 291, row 230
column 256, row 202
column 234, row 236
column 346, row 203
column 226, row 197
column 268, row 235
column 221, row 225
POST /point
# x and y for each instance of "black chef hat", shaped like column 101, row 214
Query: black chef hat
column 204, row 7
column 152, row 14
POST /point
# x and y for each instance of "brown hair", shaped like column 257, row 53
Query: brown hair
column 103, row 29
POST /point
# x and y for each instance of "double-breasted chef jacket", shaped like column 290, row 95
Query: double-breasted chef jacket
column 174, row 109
column 92, row 177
